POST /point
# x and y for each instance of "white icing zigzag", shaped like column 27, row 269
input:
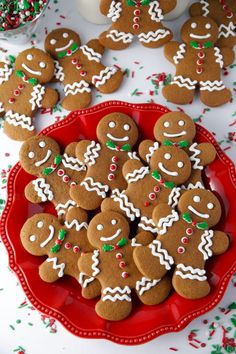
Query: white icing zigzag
column 1, row 107
column 205, row 7
column 226, row 31
column 191, row 273
column 184, row 82
column 104, row 76
column 58, row 73
column 136, row 175
column 95, row 259
column 77, row 87
column 117, row 36
column 91, row 54
column 125, row 205
column 152, row 149
column 206, row 243
column 92, row 153
column 155, row 12
column 212, row 85
column 43, row 189
column 75, row 223
column 194, row 158
column 98, row 187
column 157, row 251
column 180, row 54
column 115, row 11
column 17, row 119
column 63, row 208
column 147, row 225
column 57, row 266
column 73, row 163
column 197, row 185
column 219, row 57
column 174, row 197
column 37, row 96
column 5, row 71
column 153, row 36
column 133, row 155
column 84, row 282
column 120, row 294
column 134, row 243
column 166, row 222
column 145, row 284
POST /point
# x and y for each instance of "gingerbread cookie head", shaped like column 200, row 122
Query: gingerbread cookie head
column 37, row 153
column 172, row 163
column 175, row 128
column 200, row 205
column 199, row 29
column 36, row 65
column 33, row 233
column 60, row 41
column 118, row 128
column 108, row 230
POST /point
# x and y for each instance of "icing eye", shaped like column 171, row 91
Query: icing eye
column 208, row 26
column 100, row 227
column 29, row 57
column 126, row 127
column 167, row 156
column 40, row 224
column 210, row 206
column 65, row 35
column 42, row 144
column 196, row 199
column 194, row 25
column 112, row 124
column 32, row 238
column 53, row 41
column 31, row 154
column 166, row 124
column 114, row 222
column 181, row 123
column 42, row 65
column 180, row 164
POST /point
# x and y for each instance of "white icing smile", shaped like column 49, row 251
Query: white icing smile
column 44, row 243
column 65, row 47
column 46, row 158
column 192, row 35
column 163, row 169
column 194, row 211
column 126, row 138
column 38, row 73
column 111, row 237
column 168, row 135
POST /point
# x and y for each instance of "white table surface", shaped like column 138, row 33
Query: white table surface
column 20, row 324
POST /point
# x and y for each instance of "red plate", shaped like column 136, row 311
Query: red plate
column 62, row 300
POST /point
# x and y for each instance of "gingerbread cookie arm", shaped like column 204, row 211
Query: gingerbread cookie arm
column 88, row 264
column 51, row 270
column 143, row 238
column 58, row 72
column 50, row 98
column 206, row 154
column 228, row 55
column 147, row 148
column 76, row 213
column 196, row 10
column 96, row 46
column 82, row 149
column 131, row 168
column 160, row 212
column 167, row 5
column 105, row 6
column 220, row 242
column 38, row 191
column 172, row 50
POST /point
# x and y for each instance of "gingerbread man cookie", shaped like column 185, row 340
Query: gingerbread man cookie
column 198, row 62
column 43, row 234
column 150, row 185
column 185, row 241
column 117, row 133
column 23, row 91
column 141, row 18
column 177, row 129
column 78, row 67
column 223, row 12
column 112, row 264
column 40, row 156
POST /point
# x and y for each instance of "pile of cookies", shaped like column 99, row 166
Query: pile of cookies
column 129, row 220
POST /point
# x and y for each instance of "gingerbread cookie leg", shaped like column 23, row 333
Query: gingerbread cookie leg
column 115, row 303
column 190, row 281
column 155, row 39
column 214, row 93
column 18, row 126
column 116, row 40
column 152, row 292
column 180, row 91
column 77, row 95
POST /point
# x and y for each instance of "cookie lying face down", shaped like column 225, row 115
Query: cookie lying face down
column 185, row 241
column 112, row 264
column 177, row 129
column 151, row 185
column 80, row 67
column 40, row 156
column 199, row 64
column 43, row 234
column 131, row 18
column 23, row 91
column 223, row 13
column 117, row 133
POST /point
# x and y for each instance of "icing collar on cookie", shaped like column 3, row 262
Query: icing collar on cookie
column 111, row 145
column 66, row 53
column 109, row 248
column 199, row 225
column 157, row 176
